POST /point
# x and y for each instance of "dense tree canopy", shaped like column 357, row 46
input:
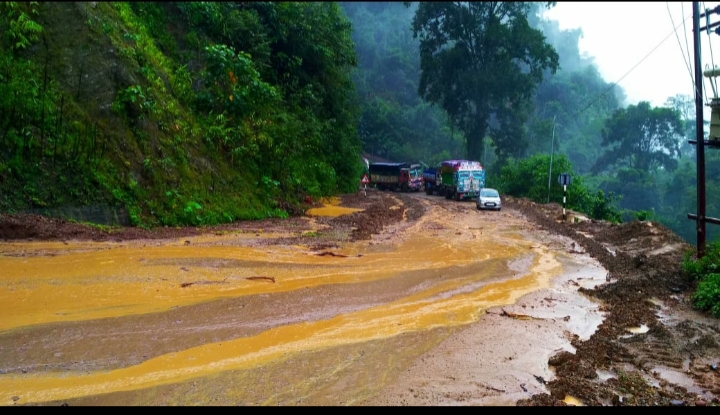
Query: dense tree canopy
column 641, row 137
column 480, row 62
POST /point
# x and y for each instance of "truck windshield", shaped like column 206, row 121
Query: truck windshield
column 415, row 173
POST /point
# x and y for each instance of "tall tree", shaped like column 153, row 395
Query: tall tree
column 481, row 61
column 641, row 137
column 685, row 105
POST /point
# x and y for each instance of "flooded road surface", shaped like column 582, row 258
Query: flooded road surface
column 220, row 320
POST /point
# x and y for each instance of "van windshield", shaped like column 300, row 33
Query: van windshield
column 489, row 193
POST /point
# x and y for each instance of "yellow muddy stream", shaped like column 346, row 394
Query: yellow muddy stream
column 331, row 208
column 87, row 281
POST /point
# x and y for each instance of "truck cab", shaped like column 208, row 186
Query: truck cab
column 415, row 180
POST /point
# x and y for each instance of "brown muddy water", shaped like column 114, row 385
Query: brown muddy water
column 220, row 321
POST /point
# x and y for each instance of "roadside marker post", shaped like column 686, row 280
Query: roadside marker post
column 564, row 180
column 564, row 200
column 365, row 180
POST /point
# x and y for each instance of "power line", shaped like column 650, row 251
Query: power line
column 682, row 8
column 631, row 69
column 685, row 58
column 687, row 44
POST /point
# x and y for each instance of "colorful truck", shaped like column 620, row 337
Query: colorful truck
column 460, row 179
column 416, row 172
column 395, row 176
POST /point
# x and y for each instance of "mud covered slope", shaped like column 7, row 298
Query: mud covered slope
column 646, row 289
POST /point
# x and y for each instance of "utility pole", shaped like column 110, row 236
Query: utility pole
column 552, row 150
column 700, row 128
column 701, row 218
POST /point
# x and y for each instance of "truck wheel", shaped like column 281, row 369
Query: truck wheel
column 428, row 190
column 404, row 188
column 448, row 195
column 457, row 197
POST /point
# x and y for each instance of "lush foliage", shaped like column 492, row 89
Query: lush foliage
column 641, row 138
column 707, row 272
column 528, row 177
column 199, row 113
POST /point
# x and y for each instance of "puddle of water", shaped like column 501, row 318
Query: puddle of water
column 656, row 301
column 414, row 313
column 331, row 208
column 678, row 378
column 604, row 375
column 638, row 330
column 573, row 401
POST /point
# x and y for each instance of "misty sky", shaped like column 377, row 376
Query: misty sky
column 619, row 35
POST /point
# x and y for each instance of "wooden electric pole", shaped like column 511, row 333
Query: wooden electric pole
column 699, row 126
column 701, row 218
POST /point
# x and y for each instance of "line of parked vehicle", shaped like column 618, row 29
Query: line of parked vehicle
column 454, row 179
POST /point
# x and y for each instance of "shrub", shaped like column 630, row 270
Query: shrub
column 706, row 270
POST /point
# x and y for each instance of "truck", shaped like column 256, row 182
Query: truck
column 395, row 176
column 460, row 179
column 431, row 180
column 416, row 171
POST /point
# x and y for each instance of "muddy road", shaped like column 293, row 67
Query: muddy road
column 384, row 299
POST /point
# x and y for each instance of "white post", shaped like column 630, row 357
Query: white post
column 564, row 200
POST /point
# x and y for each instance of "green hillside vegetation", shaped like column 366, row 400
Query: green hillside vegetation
column 184, row 113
